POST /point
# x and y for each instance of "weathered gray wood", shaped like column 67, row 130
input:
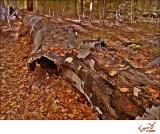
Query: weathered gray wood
column 87, row 71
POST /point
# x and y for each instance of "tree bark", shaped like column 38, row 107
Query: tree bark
column 95, row 71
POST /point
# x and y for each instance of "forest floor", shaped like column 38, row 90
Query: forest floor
column 23, row 97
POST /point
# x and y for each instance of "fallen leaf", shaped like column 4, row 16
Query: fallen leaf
column 83, row 53
column 121, row 65
column 13, row 103
column 106, row 65
column 34, row 87
column 149, row 71
column 2, row 117
column 154, row 92
column 3, row 81
column 136, row 91
column 134, row 46
column 70, row 115
column 124, row 89
column 130, row 106
column 55, row 107
column 24, row 68
column 112, row 73
column 14, row 34
column 79, row 67
column 21, row 86
column 75, row 111
column 69, row 59
column 63, row 110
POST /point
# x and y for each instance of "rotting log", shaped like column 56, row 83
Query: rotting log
column 90, row 66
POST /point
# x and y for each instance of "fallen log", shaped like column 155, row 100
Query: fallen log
column 114, row 87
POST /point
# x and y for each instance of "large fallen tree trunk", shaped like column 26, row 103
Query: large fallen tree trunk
column 114, row 87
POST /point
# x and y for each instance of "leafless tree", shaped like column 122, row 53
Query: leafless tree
column 131, row 12
column 30, row 5
column 82, row 9
column 91, row 10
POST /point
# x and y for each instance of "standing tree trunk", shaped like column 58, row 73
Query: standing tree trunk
column 131, row 13
column 104, row 10
column 76, row 10
column 82, row 9
column 30, row 5
column 91, row 10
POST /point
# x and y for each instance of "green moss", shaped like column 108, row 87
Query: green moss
column 134, row 46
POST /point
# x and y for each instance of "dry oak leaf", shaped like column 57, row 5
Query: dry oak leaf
column 130, row 106
column 136, row 91
column 55, row 107
column 13, row 103
column 154, row 92
column 112, row 73
column 69, row 59
column 124, row 89
column 149, row 71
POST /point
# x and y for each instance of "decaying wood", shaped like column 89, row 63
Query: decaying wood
column 90, row 66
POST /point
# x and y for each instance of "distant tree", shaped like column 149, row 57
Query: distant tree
column 30, row 5
column 82, row 8
column 75, row 5
column 104, row 10
column 91, row 10
column 2, row 4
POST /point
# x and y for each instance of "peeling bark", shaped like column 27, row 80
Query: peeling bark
column 89, row 73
